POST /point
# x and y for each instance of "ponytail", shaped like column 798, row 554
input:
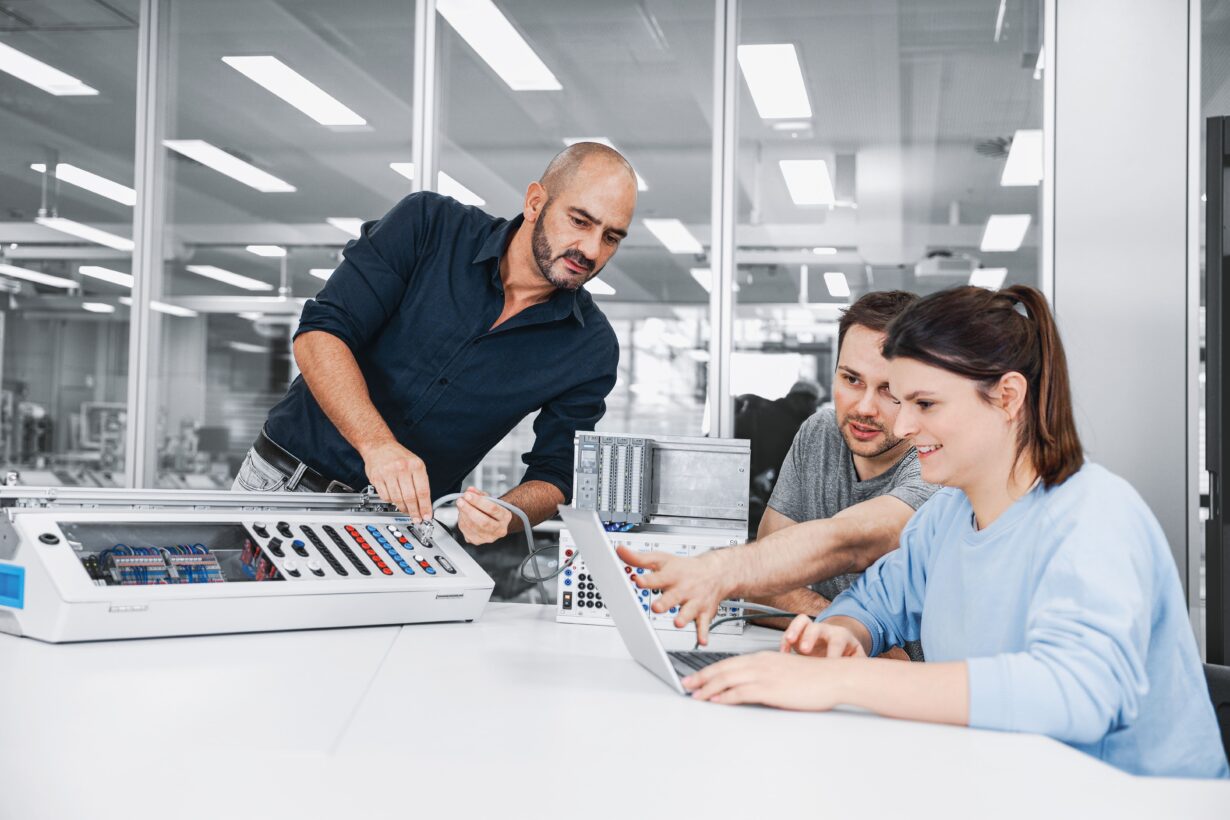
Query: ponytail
column 982, row 335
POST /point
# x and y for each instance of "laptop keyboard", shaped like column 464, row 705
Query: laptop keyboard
column 686, row 663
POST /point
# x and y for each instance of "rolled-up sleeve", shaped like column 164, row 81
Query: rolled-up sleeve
column 580, row 408
column 367, row 287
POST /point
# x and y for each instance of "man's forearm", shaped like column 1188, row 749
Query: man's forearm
column 801, row 601
column 337, row 384
column 796, row 556
column 539, row 501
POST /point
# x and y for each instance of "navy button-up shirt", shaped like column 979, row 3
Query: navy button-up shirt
column 414, row 299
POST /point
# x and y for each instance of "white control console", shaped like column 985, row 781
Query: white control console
column 98, row 564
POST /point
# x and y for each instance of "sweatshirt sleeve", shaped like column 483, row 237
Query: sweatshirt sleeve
column 888, row 597
column 1082, row 673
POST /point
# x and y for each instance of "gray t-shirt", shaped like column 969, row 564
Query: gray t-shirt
column 818, row 481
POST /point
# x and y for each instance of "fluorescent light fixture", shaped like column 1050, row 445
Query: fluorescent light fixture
column 58, row 223
column 1024, row 165
column 251, row 316
column 225, row 276
column 703, row 277
column 276, row 251
column 232, row 166
column 501, row 46
column 451, row 187
column 1040, row 66
column 674, row 235
column 597, row 287
column 999, row 20
column 989, row 278
column 283, row 81
column 98, row 307
column 91, row 182
column 824, row 251
column 39, row 74
column 346, row 224
column 321, row 273
column 775, row 80
column 163, row 307
column 836, row 282
column 641, row 185
column 1005, row 232
column 115, row 277
column 791, row 125
column 808, row 181
column 245, row 347
column 406, row 169
column 36, row 276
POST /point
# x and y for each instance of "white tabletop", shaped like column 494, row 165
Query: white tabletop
column 511, row 716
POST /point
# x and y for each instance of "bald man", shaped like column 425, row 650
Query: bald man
column 443, row 328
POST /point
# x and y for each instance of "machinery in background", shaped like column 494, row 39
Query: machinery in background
column 81, row 565
column 679, row 494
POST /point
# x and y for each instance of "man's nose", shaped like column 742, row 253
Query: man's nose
column 868, row 404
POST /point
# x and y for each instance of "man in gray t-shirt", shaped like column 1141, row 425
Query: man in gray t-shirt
column 847, row 489
column 819, row 480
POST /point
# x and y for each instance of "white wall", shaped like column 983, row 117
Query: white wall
column 1120, row 240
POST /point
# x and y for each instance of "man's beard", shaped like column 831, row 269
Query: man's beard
column 890, row 441
column 546, row 258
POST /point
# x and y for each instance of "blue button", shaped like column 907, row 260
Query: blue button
column 567, row 582
column 644, row 593
column 430, row 571
column 645, row 607
column 640, row 571
column 567, row 573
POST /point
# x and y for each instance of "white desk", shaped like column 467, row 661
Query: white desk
column 511, row 716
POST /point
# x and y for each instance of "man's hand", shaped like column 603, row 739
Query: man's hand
column 400, row 477
column 696, row 585
column 481, row 520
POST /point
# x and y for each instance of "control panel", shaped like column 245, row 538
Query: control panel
column 233, row 563
column 579, row 602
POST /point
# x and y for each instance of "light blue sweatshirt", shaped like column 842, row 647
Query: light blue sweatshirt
column 1069, row 612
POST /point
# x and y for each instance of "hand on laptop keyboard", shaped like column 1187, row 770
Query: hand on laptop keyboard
column 778, row 679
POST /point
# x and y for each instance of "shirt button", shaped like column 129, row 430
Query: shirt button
column 443, row 381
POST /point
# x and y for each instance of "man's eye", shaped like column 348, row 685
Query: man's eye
column 612, row 239
column 580, row 223
column 924, row 405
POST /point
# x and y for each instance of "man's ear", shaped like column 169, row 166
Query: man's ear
column 535, row 201
column 1010, row 394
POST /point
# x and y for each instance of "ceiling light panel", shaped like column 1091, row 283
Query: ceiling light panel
column 450, row 187
column 115, row 277
column 348, row 225
column 40, row 75
column 599, row 288
column 775, row 80
column 406, row 169
column 674, row 235
column 1024, row 165
column 1005, row 232
column 989, row 278
column 703, row 277
column 498, row 43
column 808, row 181
column 283, row 81
column 321, row 273
column 836, row 282
column 85, row 232
column 229, row 278
column 98, row 307
column 229, row 165
column 36, row 276
column 272, row 251
column 91, row 182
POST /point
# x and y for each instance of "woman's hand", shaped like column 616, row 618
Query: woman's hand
column 822, row 640
column 779, row 679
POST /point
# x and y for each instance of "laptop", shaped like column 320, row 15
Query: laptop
column 626, row 609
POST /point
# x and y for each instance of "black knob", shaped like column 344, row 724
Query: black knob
column 260, row 529
column 49, row 538
column 284, row 528
column 275, row 547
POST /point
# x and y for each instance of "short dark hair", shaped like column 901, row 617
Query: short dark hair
column 874, row 311
column 983, row 334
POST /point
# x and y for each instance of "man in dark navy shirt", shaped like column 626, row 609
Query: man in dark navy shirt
column 443, row 328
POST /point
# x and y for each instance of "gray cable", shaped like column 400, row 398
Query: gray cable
column 762, row 611
column 525, row 528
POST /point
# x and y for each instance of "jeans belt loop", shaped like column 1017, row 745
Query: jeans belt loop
column 296, row 477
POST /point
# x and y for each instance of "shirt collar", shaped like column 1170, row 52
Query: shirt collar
column 563, row 301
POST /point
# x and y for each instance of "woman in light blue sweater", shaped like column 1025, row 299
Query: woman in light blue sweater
column 1041, row 586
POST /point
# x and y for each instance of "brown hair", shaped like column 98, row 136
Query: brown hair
column 875, row 311
column 981, row 335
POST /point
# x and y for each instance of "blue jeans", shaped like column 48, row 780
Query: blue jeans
column 259, row 476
